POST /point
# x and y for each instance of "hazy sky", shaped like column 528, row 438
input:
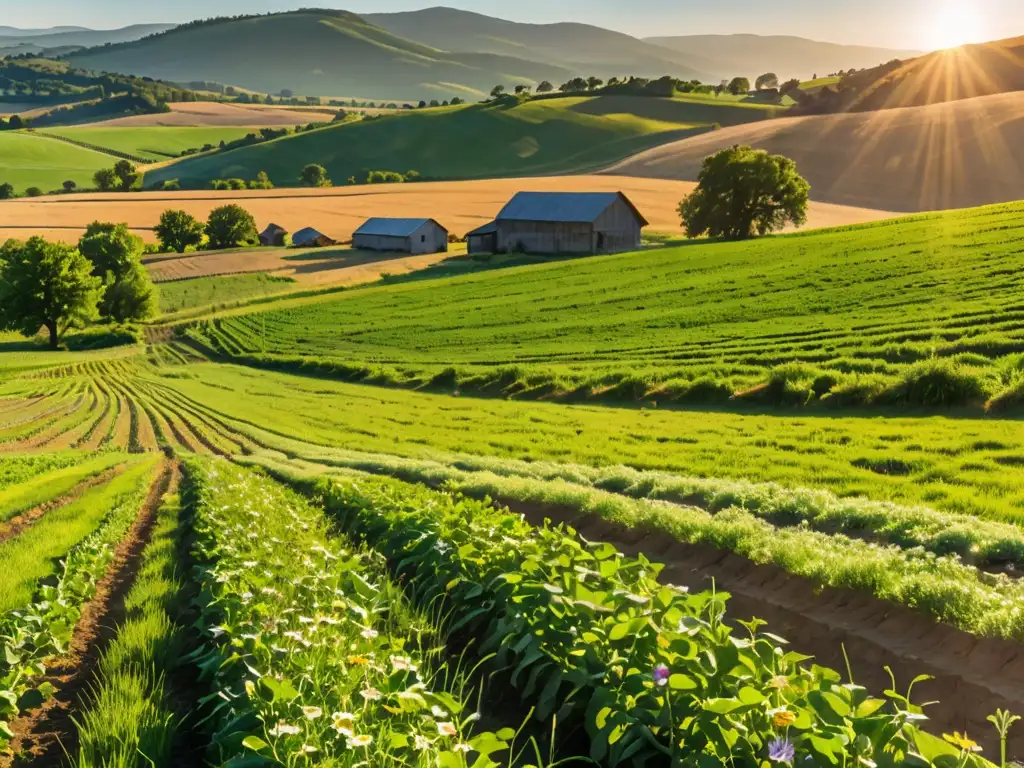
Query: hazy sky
column 891, row 23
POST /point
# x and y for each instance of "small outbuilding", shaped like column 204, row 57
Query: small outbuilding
column 311, row 238
column 402, row 235
column 562, row 222
column 273, row 235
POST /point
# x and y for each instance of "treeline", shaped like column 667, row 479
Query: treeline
column 663, row 87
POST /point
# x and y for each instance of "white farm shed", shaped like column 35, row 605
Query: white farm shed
column 401, row 235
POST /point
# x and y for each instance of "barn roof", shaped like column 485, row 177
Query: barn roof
column 274, row 229
column 486, row 229
column 572, row 207
column 384, row 227
column 307, row 234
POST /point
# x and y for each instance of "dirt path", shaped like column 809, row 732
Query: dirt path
column 43, row 738
column 973, row 676
column 18, row 525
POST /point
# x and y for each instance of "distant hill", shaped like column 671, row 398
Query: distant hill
column 64, row 37
column 546, row 136
column 585, row 49
column 953, row 155
column 786, row 56
column 315, row 52
column 985, row 69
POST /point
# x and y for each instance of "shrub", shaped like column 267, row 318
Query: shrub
column 34, row 192
column 231, row 226
column 934, row 384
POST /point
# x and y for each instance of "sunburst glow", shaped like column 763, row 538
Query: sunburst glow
column 953, row 25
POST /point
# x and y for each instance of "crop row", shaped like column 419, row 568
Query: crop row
column 649, row 671
column 55, row 567
column 311, row 653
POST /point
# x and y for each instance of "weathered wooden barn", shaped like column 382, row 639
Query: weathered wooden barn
column 311, row 238
column 273, row 235
column 401, row 235
column 562, row 222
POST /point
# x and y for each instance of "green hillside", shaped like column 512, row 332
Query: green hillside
column 561, row 135
column 316, row 52
column 921, row 311
column 154, row 143
column 35, row 161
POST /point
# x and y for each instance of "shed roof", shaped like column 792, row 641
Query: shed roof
column 486, row 229
column 306, row 234
column 573, row 207
column 384, row 227
column 272, row 229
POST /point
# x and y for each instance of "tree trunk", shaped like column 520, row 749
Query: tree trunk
column 52, row 328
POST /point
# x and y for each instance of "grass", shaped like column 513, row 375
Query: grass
column 129, row 712
column 550, row 136
column 952, row 464
column 53, row 484
column 821, row 82
column 33, row 161
column 156, row 143
column 183, row 295
column 34, row 553
column 918, row 312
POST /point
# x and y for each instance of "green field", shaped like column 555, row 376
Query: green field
column 182, row 295
column 564, row 135
column 155, row 143
column 32, row 161
column 915, row 312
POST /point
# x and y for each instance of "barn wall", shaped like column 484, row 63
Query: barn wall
column 482, row 243
column 544, row 237
column 430, row 238
column 620, row 228
column 381, row 243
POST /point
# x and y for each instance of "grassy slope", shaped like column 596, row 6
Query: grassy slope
column 478, row 141
column 206, row 291
column 866, row 299
column 953, row 464
column 156, row 143
column 27, row 161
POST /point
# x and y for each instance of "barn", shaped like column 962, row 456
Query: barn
column 562, row 222
column 402, row 235
column 274, row 235
column 311, row 238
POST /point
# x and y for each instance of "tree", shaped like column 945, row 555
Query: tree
column 125, row 172
column 231, row 226
column 178, row 231
column 739, row 85
column 521, row 89
column 45, row 285
column 791, row 88
column 110, row 248
column 34, row 192
column 315, row 176
column 15, row 123
column 105, row 179
column 130, row 297
column 767, row 80
column 742, row 192
column 457, row 101
column 6, row 191
column 340, row 116
column 286, row 93
column 721, row 88
column 593, row 83
column 545, row 87
column 262, row 181
column 575, row 85
column 497, row 91
column 70, row 186
column 422, row 105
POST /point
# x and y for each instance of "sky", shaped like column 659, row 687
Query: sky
column 902, row 24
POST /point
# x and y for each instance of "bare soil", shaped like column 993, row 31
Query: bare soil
column 973, row 676
column 954, row 155
column 44, row 737
column 205, row 114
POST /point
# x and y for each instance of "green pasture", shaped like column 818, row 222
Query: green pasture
column 181, row 295
column 35, row 161
column 156, row 143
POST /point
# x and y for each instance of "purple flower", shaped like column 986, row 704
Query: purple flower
column 781, row 751
column 661, row 675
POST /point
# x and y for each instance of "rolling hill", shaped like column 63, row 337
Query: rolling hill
column 583, row 48
column 63, row 37
column 330, row 53
column 785, row 55
column 562, row 135
column 951, row 155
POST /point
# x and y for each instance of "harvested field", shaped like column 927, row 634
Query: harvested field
column 458, row 205
column 954, row 155
column 205, row 113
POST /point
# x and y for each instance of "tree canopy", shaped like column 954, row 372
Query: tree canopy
column 45, row 285
column 314, row 175
column 738, row 86
column 231, row 226
column 742, row 192
column 116, row 256
column 178, row 231
column 767, row 80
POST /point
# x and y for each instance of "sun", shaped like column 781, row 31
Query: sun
column 953, row 25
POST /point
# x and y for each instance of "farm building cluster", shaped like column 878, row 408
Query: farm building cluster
column 577, row 223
